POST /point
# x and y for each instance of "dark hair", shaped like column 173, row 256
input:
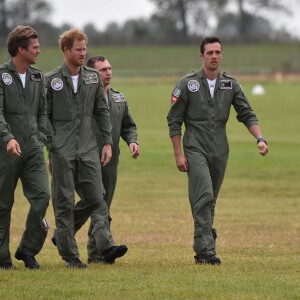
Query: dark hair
column 92, row 60
column 19, row 37
column 67, row 38
column 209, row 40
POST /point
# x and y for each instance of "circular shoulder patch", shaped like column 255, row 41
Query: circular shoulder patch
column 7, row 79
column 57, row 84
column 193, row 85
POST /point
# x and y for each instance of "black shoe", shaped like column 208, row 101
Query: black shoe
column 29, row 260
column 113, row 253
column 75, row 263
column 100, row 261
column 7, row 266
column 53, row 239
column 207, row 260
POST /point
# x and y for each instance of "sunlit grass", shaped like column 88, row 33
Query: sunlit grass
column 257, row 215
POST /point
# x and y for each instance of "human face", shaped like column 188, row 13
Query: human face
column 31, row 53
column 76, row 55
column 212, row 57
column 104, row 68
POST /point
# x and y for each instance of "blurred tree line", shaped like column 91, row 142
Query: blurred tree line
column 174, row 22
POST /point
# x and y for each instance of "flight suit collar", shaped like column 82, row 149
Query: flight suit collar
column 66, row 73
column 203, row 78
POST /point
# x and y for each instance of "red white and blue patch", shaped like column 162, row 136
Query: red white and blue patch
column 175, row 94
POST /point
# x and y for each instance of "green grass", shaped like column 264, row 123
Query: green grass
column 257, row 215
column 130, row 61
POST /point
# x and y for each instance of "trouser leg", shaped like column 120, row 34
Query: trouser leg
column 34, row 179
column 205, row 179
column 217, row 171
column 100, row 237
column 8, row 181
column 63, row 186
column 89, row 188
column 109, row 179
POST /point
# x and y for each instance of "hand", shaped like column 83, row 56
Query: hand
column 263, row 148
column 106, row 154
column 134, row 149
column 13, row 147
column 182, row 163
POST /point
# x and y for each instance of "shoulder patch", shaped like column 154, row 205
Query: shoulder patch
column 7, row 79
column 57, row 84
column 193, row 85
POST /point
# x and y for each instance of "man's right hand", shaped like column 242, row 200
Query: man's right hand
column 106, row 154
column 13, row 147
column 182, row 163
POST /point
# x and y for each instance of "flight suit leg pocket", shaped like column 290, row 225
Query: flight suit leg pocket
column 63, row 242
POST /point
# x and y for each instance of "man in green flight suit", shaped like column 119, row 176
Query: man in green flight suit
column 74, row 97
column 123, row 126
column 202, row 101
column 23, row 123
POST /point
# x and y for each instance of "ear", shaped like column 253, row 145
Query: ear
column 66, row 49
column 21, row 50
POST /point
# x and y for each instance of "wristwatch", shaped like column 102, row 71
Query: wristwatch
column 261, row 139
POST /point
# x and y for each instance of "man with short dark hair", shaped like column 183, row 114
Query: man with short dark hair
column 122, row 126
column 202, row 101
column 23, row 123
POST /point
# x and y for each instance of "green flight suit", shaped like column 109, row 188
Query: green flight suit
column 100, row 238
column 205, row 143
column 74, row 151
column 23, row 116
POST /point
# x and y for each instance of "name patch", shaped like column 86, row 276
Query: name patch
column 118, row 97
column 226, row 85
column 36, row 76
column 90, row 78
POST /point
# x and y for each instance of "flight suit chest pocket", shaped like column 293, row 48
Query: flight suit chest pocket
column 62, row 107
column 12, row 101
column 224, row 104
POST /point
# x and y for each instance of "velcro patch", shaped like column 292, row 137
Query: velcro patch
column 118, row 97
column 226, row 85
column 36, row 76
column 176, row 92
column 90, row 78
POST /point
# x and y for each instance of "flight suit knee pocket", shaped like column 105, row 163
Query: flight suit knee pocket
column 62, row 240
column 98, row 226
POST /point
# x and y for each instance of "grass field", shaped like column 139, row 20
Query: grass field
column 257, row 216
column 130, row 61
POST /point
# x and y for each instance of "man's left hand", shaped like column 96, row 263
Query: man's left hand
column 263, row 148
